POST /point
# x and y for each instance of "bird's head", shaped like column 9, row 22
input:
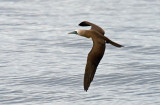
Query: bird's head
column 74, row 32
column 81, row 33
column 78, row 32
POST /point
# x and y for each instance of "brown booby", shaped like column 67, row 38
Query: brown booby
column 97, row 51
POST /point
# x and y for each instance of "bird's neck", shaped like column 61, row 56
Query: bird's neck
column 85, row 33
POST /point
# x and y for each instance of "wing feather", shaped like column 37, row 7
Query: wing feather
column 93, row 60
column 93, row 26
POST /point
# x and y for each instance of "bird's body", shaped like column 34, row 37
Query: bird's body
column 97, row 51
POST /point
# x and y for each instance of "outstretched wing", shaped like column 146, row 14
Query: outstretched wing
column 93, row 26
column 92, row 62
column 101, row 31
column 89, row 75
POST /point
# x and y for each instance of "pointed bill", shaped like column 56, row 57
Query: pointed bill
column 73, row 32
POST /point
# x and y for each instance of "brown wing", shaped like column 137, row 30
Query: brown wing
column 93, row 60
column 101, row 31
column 93, row 26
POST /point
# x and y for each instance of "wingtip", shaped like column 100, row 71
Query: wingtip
column 83, row 23
column 85, row 90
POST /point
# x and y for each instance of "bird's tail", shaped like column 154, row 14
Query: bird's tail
column 110, row 41
column 114, row 43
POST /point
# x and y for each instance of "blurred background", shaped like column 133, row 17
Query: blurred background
column 41, row 64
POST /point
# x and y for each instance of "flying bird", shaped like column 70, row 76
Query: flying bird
column 96, row 33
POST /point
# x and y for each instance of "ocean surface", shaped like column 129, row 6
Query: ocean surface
column 41, row 64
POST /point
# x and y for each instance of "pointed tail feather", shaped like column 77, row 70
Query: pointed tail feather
column 109, row 41
column 114, row 44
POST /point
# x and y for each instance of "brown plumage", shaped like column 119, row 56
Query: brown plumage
column 97, row 51
column 93, row 26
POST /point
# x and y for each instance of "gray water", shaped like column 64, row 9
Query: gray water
column 41, row 64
